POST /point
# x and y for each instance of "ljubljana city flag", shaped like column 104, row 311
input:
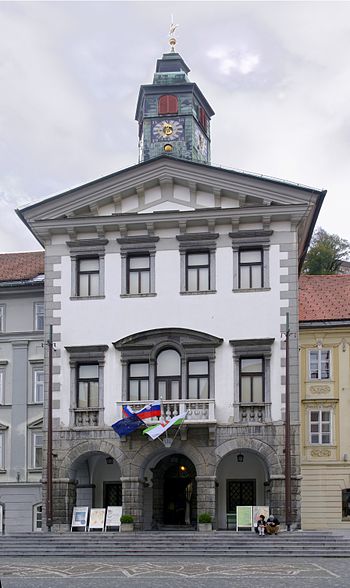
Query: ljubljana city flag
column 147, row 412
column 157, row 430
column 127, row 425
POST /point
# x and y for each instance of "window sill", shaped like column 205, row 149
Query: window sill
column 198, row 293
column 35, row 470
column 245, row 290
column 87, row 297
column 3, row 471
column 146, row 295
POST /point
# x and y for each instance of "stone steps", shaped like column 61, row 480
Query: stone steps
column 175, row 544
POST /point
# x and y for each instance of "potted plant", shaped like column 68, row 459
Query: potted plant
column 205, row 522
column 126, row 523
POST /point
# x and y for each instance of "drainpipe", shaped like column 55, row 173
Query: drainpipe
column 49, row 439
column 287, row 453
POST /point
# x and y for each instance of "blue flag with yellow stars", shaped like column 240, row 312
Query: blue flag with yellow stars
column 128, row 425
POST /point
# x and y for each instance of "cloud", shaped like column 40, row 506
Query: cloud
column 243, row 63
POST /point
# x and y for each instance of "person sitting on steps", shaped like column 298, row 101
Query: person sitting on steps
column 272, row 525
column 261, row 525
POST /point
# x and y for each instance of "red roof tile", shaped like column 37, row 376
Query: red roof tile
column 21, row 266
column 324, row 298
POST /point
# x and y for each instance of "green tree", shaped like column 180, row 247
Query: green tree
column 326, row 254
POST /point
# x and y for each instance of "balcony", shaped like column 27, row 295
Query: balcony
column 251, row 412
column 86, row 417
column 198, row 411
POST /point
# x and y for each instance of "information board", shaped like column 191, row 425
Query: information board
column 97, row 518
column 244, row 517
column 113, row 516
column 80, row 517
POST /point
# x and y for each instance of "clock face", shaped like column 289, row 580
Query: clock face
column 168, row 129
column 201, row 142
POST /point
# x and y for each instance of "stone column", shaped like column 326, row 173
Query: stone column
column 132, row 492
column 63, row 502
column 206, row 496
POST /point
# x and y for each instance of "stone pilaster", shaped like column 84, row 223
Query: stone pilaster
column 132, row 489
column 206, row 495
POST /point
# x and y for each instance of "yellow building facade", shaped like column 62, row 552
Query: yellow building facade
column 324, row 341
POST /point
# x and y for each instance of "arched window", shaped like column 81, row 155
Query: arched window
column 168, row 375
column 168, row 104
column 37, row 517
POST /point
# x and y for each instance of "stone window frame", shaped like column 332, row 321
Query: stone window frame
column 38, row 315
column 2, row 384
column 2, row 318
column 259, row 239
column 246, row 348
column 86, row 354
column 35, row 429
column 87, row 249
column 321, row 409
column 137, row 246
column 197, row 243
column 319, row 352
column 153, row 342
column 2, row 448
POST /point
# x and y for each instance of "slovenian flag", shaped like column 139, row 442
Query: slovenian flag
column 147, row 412
column 157, row 430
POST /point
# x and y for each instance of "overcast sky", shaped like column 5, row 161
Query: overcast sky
column 277, row 75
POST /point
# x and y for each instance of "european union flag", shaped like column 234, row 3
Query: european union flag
column 128, row 425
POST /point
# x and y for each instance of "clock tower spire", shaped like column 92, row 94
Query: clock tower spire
column 173, row 114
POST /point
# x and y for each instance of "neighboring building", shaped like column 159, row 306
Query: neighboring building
column 325, row 401
column 21, row 389
column 172, row 279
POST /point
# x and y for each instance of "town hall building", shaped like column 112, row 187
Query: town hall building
column 171, row 280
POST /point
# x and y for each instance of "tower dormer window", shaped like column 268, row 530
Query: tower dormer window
column 168, row 104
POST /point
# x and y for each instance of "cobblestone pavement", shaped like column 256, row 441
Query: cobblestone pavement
column 198, row 572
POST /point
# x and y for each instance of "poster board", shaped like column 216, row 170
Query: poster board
column 113, row 516
column 97, row 518
column 80, row 517
column 1, row 518
column 260, row 510
column 244, row 517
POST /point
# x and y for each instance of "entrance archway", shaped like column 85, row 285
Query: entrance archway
column 174, row 492
column 97, row 477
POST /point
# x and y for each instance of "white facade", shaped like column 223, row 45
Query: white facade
column 170, row 214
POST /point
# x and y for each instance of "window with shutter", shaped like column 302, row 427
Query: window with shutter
column 168, row 105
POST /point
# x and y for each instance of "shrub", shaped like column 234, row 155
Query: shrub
column 126, row 518
column 204, row 517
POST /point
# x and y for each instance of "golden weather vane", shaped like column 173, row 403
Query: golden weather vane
column 172, row 34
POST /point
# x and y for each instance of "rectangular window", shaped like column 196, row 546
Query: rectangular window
column 320, row 427
column 2, row 448
column 138, row 274
column 87, row 386
column 88, row 276
column 2, row 386
column 250, row 268
column 37, row 450
column 251, row 380
column 2, row 318
column 138, row 381
column 39, row 316
column 39, row 386
column 198, row 271
column 198, row 380
column 319, row 364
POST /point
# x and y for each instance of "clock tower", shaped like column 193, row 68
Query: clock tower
column 173, row 115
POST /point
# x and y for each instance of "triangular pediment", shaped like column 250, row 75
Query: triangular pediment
column 167, row 184
column 37, row 424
